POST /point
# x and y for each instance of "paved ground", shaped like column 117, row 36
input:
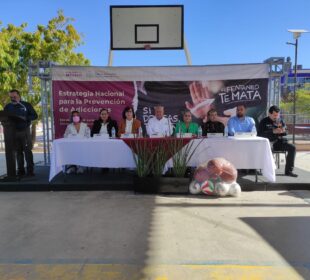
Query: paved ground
column 119, row 235
column 303, row 161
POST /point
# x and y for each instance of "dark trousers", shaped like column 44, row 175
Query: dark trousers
column 291, row 153
column 23, row 150
column 10, row 149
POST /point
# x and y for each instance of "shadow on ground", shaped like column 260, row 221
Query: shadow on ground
column 289, row 236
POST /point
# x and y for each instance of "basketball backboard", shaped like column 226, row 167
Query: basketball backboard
column 146, row 27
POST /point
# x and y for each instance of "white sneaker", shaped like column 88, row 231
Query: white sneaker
column 70, row 170
column 80, row 170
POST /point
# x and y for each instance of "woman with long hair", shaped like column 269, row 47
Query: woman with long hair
column 129, row 123
column 104, row 124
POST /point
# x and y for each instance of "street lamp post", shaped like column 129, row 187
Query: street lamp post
column 296, row 34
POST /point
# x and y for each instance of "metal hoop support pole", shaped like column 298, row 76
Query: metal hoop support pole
column 110, row 60
column 187, row 54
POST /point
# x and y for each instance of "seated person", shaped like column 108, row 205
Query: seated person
column 104, row 124
column 78, row 128
column 240, row 122
column 159, row 124
column 186, row 126
column 129, row 123
column 212, row 125
column 274, row 128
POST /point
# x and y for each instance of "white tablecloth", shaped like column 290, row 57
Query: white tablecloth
column 247, row 153
column 91, row 152
column 243, row 153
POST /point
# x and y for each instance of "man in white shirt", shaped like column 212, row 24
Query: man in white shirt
column 159, row 125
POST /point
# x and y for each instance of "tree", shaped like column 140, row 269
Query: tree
column 302, row 102
column 54, row 42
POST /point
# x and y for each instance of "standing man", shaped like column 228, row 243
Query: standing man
column 240, row 122
column 159, row 125
column 274, row 128
column 23, row 143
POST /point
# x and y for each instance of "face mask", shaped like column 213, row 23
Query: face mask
column 76, row 119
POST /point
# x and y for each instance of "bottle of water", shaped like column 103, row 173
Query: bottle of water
column 179, row 132
column 253, row 131
column 226, row 131
column 113, row 132
column 140, row 133
column 199, row 132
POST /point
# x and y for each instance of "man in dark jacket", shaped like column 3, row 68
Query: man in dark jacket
column 212, row 125
column 274, row 128
column 23, row 143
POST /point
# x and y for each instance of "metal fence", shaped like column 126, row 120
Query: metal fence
column 302, row 110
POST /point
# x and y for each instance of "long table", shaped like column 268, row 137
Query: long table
column 243, row 153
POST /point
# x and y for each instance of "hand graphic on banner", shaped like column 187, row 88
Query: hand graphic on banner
column 202, row 94
column 201, row 98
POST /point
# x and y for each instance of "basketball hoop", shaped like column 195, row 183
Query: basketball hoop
column 147, row 27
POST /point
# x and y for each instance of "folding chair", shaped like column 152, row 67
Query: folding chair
column 277, row 157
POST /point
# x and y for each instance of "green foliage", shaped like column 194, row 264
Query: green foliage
column 150, row 158
column 54, row 42
column 182, row 155
column 160, row 158
column 302, row 102
column 143, row 157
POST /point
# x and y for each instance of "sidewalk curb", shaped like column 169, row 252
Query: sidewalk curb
column 119, row 186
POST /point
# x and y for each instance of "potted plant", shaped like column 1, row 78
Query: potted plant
column 151, row 160
column 143, row 157
column 181, row 156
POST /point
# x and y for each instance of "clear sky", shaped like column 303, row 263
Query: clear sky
column 217, row 31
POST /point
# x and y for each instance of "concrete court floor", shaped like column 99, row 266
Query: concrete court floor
column 120, row 235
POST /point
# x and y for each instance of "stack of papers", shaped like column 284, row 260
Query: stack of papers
column 245, row 134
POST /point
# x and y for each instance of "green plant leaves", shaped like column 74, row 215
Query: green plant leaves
column 151, row 155
column 54, row 42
